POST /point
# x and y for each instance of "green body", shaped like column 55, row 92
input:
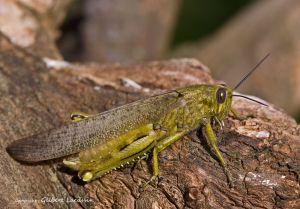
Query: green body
column 113, row 138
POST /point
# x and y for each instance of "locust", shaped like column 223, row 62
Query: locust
column 111, row 139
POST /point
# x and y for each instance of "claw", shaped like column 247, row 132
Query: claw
column 77, row 116
column 229, row 177
column 152, row 179
column 71, row 164
column 86, row 176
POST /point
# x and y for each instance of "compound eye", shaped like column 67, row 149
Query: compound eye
column 221, row 95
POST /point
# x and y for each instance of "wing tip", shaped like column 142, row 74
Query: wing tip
column 14, row 151
column 20, row 151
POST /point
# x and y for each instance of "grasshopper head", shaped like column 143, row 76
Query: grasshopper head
column 214, row 99
column 221, row 101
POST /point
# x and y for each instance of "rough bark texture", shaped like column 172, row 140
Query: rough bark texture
column 262, row 147
column 32, row 25
column 265, row 26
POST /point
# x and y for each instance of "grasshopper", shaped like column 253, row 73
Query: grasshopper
column 109, row 140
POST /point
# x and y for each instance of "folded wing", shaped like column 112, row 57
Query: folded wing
column 97, row 129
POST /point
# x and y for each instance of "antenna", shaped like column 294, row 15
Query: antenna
column 253, row 69
column 253, row 100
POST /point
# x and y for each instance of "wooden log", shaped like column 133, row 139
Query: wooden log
column 262, row 149
column 38, row 93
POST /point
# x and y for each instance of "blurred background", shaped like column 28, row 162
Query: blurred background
column 230, row 37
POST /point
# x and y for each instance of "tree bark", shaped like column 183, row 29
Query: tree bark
column 32, row 25
column 262, row 149
column 37, row 93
